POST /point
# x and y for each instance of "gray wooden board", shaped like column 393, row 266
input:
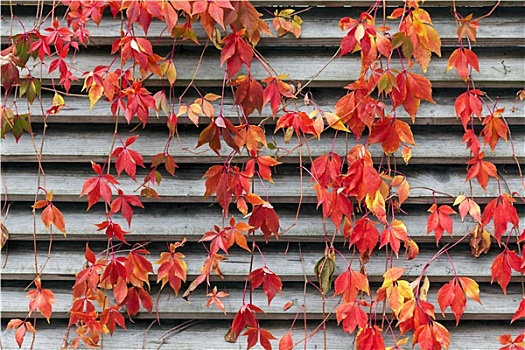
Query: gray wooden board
column 320, row 28
column 68, row 144
column 495, row 305
column 192, row 221
column 499, row 69
column 67, row 259
column 20, row 184
column 331, row 3
column 77, row 109
column 209, row 334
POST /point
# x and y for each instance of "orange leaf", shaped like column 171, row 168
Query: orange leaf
column 520, row 312
column 286, row 342
column 352, row 316
column 41, row 299
column 481, row 170
column 440, row 221
column 462, row 59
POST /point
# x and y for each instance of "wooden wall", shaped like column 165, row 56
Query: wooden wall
column 77, row 135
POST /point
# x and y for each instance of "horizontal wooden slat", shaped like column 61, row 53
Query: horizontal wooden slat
column 188, row 187
column 191, row 221
column 286, row 261
column 320, row 28
column 496, row 306
column 498, row 69
column 77, row 109
column 69, row 145
column 165, row 336
column 336, row 3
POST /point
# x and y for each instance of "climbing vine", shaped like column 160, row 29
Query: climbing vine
column 360, row 195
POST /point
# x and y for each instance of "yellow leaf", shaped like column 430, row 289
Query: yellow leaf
column 95, row 93
column 376, row 205
column 58, row 101
column 335, row 122
column 407, row 154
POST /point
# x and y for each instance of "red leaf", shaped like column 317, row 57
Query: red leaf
column 468, row 104
column 391, row 133
column 268, row 279
column 462, row 59
column 246, row 316
column 502, row 267
column 265, row 218
column 412, row 88
column 96, row 187
column 172, row 268
column 364, row 235
column 41, row 299
column 112, row 230
column 111, row 317
column 127, row 159
column 502, row 212
column 349, row 283
column 352, row 316
column 261, row 335
column 123, row 204
column 51, row 214
column 394, row 233
column 468, row 205
column 249, row 94
column 440, row 220
column 286, row 342
column 235, row 53
column 275, row 88
column 369, row 338
column 214, row 298
column 520, row 312
column 454, row 294
column 494, row 128
column 481, row 170
column 431, row 336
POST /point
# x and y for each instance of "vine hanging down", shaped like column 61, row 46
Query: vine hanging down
column 349, row 158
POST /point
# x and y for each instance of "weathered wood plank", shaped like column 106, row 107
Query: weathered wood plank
column 191, row 221
column 320, row 28
column 498, row 69
column 68, row 144
column 188, row 187
column 165, row 336
column 335, row 3
column 496, row 306
column 67, row 258
column 77, row 109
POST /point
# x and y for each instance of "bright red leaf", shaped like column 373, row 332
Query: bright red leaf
column 502, row 212
column 352, row 316
column 41, row 300
column 270, row 282
column 123, row 204
column 439, row 220
column 481, row 170
column 127, row 159
column 96, row 187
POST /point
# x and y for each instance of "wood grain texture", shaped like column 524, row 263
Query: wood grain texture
column 188, row 187
column 165, row 336
column 494, row 307
column 68, row 144
column 286, row 261
column 499, row 69
column 77, row 109
column 320, row 28
column 191, row 221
